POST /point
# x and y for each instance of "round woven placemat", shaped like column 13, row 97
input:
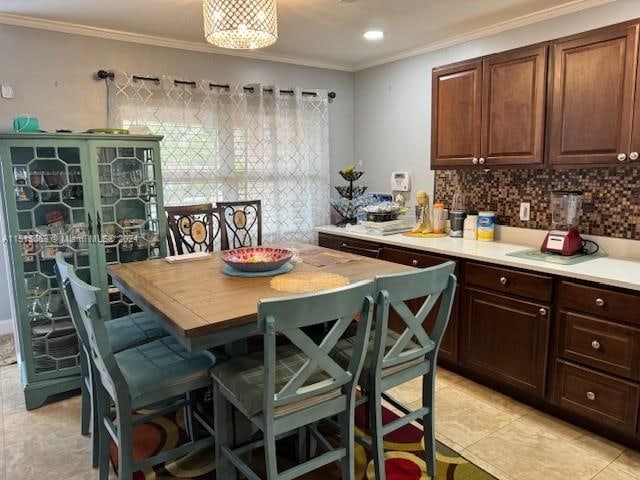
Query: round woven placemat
column 308, row 282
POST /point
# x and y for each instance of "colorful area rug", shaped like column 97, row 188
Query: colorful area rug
column 404, row 455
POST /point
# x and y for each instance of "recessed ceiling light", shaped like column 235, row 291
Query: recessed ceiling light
column 374, row 35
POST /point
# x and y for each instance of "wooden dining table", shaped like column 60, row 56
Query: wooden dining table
column 204, row 308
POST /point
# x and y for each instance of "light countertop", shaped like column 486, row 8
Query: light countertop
column 608, row 270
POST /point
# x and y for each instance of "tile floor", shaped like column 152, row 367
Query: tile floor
column 506, row 438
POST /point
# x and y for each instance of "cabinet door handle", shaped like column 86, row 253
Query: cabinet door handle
column 600, row 302
column 89, row 224
column 504, row 281
column 634, row 156
column 481, row 161
column 622, row 157
column 591, row 396
column 346, row 246
column 98, row 224
column 595, row 345
column 474, row 161
column 414, row 262
column 542, row 312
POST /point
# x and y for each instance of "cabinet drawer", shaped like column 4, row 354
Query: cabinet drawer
column 405, row 257
column 600, row 397
column 528, row 285
column 601, row 344
column 359, row 247
column 600, row 301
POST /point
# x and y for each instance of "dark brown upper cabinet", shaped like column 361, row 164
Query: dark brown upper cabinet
column 513, row 107
column 634, row 154
column 591, row 118
column 456, row 114
column 491, row 111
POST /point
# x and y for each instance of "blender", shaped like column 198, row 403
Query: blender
column 457, row 215
column 566, row 207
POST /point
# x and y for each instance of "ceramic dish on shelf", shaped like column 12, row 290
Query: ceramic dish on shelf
column 256, row 259
column 109, row 131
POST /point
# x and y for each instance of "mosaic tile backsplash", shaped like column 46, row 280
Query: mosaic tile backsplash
column 611, row 202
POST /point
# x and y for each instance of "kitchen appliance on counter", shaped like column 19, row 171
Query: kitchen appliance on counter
column 457, row 215
column 564, row 238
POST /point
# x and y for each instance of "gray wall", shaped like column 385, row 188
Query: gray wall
column 53, row 78
column 393, row 101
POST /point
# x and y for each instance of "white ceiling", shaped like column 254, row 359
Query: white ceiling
column 318, row 32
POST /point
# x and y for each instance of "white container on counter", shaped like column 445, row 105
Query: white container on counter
column 470, row 229
column 486, row 226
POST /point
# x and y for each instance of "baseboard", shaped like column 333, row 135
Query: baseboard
column 6, row 326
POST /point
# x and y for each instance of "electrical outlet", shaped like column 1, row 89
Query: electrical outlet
column 7, row 91
column 525, row 211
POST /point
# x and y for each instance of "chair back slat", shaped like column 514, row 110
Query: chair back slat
column 413, row 323
column 62, row 275
column 411, row 285
column 316, row 371
column 309, row 309
column 436, row 284
column 195, row 228
column 317, row 359
column 99, row 347
column 243, row 222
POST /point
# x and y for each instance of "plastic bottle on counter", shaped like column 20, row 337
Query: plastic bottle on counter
column 447, row 221
column 471, row 227
column 439, row 222
column 486, row 226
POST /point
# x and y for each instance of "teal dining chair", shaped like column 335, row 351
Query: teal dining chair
column 123, row 333
column 157, row 376
column 393, row 358
column 287, row 389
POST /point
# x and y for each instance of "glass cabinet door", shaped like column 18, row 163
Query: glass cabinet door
column 48, row 214
column 129, row 218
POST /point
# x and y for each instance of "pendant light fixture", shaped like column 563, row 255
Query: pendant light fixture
column 240, row 24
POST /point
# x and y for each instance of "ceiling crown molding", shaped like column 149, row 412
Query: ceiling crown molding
column 120, row 35
column 106, row 33
column 513, row 23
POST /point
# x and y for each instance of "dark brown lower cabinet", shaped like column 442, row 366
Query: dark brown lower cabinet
column 500, row 333
column 506, row 339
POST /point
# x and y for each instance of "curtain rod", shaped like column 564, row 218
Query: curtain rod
column 104, row 74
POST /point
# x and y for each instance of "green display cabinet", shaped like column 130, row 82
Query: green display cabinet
column 98, row 199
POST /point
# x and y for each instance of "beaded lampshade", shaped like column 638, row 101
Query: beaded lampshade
column 240, row 24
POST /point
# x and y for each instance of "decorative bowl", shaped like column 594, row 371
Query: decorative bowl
column 382, row 216
column 256, row 259
column 345, row 191
column 351, row 176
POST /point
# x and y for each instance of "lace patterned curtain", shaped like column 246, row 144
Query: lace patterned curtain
column 226, row 144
